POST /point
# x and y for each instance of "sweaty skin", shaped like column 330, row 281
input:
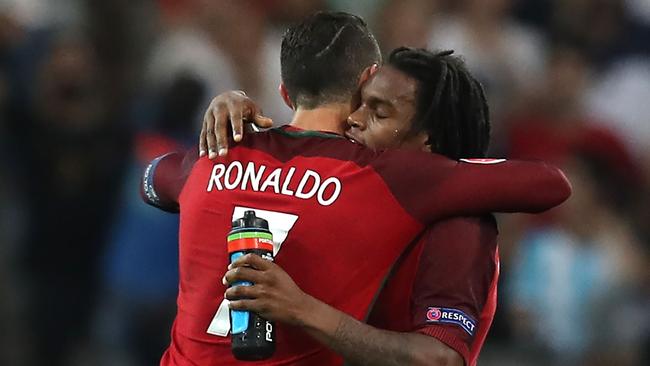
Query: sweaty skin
column 383, row 119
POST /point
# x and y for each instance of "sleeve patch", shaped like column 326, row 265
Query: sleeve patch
column 451, row 316
column 148, row 181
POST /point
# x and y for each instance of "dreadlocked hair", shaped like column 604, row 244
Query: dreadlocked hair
column 451, row 106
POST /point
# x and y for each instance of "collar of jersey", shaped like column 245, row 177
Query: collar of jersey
column 296, row 132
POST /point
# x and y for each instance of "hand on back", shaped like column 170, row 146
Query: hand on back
column 232, row 110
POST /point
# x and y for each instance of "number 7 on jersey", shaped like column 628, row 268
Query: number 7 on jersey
column 280, row 224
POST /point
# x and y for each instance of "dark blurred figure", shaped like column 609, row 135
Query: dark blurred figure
column 140, row 276
column 608, row 29
column 13, row 344
column 604, row 27
column 8, row 30
column 68, row 156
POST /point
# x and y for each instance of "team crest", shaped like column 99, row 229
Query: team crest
column 451, row 316
column 433, row 314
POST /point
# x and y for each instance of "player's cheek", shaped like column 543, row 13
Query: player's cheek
column 382, row 139
column 370, row 137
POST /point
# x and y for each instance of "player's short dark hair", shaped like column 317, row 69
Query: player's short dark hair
column 450, row 106
column 323, row 56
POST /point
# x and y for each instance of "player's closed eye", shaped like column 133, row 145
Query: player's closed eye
column 379, row 114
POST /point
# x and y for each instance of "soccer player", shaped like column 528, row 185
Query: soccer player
column 453, row 268
column 306, row 177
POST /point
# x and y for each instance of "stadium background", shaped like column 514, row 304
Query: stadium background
column 90, row 90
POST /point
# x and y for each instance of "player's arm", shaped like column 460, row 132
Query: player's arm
column 506, row 186
column 361, row 344
column 228, row 110
column 163, row 180
column 432, row 187
column 275, row 296
column 455, row 282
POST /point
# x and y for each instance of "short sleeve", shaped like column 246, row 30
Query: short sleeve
column 453, row 280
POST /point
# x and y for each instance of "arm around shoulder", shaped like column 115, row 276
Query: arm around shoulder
column 499, row 185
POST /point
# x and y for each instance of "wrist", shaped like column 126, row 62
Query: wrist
column 317, row 316
column 304, row 313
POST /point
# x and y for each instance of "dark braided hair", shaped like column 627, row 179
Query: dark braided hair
column 451, row 105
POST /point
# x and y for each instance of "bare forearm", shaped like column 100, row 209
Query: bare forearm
column 362, row 344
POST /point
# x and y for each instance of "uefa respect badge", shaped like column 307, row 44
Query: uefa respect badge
column 451, row 316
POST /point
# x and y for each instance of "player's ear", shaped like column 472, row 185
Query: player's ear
column 367, row 73
column 427, row 148
column 424, row 142
column 285, row 96
column 355, row 101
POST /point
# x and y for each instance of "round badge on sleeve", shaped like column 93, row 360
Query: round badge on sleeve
column 433, row 314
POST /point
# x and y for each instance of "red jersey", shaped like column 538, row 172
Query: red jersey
column 343, row 214
column 445, row 286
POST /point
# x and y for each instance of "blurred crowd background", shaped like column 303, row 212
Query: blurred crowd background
column 92, row 90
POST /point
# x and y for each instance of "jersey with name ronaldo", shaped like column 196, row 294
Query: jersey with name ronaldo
column 340, row 214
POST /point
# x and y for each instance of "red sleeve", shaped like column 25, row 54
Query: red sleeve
column 163, row 180
column 454, row 275
column 431, row 187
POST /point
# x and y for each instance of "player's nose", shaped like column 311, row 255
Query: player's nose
column 355, row 122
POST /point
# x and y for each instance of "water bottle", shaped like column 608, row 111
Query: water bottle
column 253, row 337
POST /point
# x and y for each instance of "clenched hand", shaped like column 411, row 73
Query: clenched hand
column 273, row 295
